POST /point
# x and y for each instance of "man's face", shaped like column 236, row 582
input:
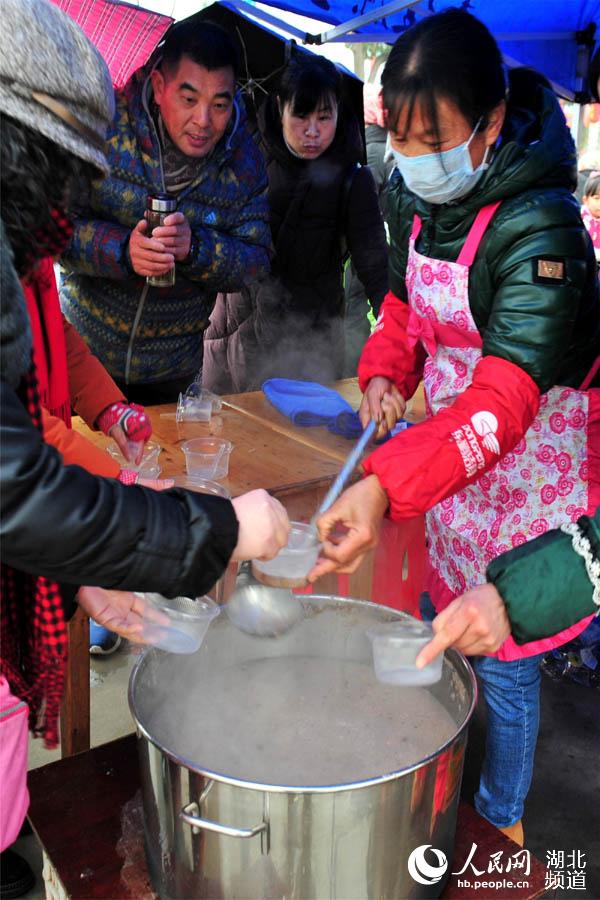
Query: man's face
column 195, row 105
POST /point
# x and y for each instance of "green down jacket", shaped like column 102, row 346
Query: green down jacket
column 546, row 584
column 548, row 327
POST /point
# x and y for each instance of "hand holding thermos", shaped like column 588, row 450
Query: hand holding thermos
column 159, row 240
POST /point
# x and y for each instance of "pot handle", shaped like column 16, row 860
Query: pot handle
column 189, row 814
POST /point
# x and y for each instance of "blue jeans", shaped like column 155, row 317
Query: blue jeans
column 511, row 691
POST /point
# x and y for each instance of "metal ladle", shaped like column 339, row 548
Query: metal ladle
column 271, row 611
column 261, row 610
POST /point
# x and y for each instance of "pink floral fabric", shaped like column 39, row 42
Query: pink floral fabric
column 540, row 484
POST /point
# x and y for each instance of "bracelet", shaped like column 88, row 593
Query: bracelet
column 583, row 548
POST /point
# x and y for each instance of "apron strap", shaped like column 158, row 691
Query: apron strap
column 416, row 228
column 478, row 228
column 590, row 375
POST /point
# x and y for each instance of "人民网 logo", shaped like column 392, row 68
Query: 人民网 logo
column 424, row 872
column 486, row 425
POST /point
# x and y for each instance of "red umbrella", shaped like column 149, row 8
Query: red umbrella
column 124, row 34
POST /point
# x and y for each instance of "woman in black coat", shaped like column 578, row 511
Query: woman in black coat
column 323, row 207
column 59, row 522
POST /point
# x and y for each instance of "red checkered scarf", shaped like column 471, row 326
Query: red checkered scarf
column 33, row 630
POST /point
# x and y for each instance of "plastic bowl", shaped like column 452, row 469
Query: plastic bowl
column 293, row 563
column 148, row 466
column 178, row 625
column 149, row 472
column 207, row 457
column 201, row 486
column 395, row 649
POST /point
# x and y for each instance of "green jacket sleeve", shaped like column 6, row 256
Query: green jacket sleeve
column 530, row 320
column 545, row 583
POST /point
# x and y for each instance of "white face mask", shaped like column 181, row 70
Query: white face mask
column 441, row 177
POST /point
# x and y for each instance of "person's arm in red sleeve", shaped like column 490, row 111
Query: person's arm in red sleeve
column 91, row 388
column 387, row 354
column 431, row 461
column 423, row 465
column 76, row 450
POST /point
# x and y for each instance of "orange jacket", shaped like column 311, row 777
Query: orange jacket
column 91, row 390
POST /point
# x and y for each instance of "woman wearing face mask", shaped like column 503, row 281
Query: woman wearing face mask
column 494, row 303
column 322, row 206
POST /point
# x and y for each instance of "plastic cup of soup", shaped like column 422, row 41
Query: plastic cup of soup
column 207, row 457
column 178, row 625
column 396, row 646
column 293, row 562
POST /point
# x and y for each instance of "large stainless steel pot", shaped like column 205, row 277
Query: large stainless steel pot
column 217, row 834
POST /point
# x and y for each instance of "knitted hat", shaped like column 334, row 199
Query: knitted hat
column 53, row 79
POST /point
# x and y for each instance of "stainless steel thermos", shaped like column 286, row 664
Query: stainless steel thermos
column 158, row 206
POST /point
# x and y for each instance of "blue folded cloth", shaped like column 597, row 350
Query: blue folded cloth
column 347, row 424
column 309, row 403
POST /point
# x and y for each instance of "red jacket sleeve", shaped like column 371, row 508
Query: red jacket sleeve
column 76, row 450
column 387, row 353
column 431, row 461
column 90, row 386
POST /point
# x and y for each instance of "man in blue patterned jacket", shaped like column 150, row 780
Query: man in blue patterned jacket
column 179, row 128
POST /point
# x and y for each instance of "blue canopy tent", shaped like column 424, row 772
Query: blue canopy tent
column 555, row 36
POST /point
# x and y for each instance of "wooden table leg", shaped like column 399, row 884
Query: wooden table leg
column 75, row 712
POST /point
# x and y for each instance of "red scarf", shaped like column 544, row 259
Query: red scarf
column 49, row 346
column 33, row 630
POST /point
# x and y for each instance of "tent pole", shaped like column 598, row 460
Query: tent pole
column 260, row 15
column 352, row 24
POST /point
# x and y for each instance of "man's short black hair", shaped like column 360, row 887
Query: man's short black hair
column 206, row 44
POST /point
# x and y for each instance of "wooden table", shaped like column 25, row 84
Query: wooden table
column 255, row 406
column 297, row 473
column 86, row 812
column 261, row 457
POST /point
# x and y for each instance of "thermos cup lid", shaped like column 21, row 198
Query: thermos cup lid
column 161, row 203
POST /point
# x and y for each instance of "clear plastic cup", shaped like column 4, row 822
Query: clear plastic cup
column 207, row 457
column 178, row 625
column 224, row 587
column 196, row 391
column 293, row 562
column 149, row 472
column 194, row 409
column 396, row 646
column 148, row 466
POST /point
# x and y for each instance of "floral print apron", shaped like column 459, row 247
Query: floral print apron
column 540, row 484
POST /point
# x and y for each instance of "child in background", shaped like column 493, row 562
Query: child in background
column 590, row 210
